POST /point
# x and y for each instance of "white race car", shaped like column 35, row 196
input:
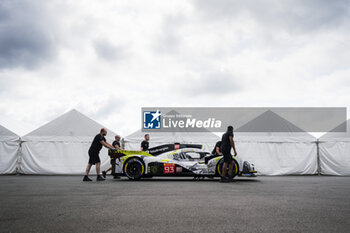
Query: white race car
column 175, row 160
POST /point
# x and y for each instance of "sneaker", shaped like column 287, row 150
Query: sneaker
column 224, row 180
column 104, row 173
column 116, row 177
column 99, row 178
column 230, row 178
column 86, row 178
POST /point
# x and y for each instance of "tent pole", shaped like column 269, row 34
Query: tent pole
column 19, row 158
column 123, row 143
column 318, row 157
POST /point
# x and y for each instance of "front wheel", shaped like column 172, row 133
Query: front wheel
column 134, row 169
column 220, row 165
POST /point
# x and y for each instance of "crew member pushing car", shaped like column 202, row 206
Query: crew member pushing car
column 145, row 143
column 116, row 145
column 226, row 144
column 94, row 151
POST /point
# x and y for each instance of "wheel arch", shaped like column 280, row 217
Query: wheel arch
column 217, row 168
column 131, row 157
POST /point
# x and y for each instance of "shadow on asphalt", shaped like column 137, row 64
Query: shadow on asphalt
column 236, row 180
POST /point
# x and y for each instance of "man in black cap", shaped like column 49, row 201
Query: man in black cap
column 145, row 143
column 94, row 151
column 226, row 144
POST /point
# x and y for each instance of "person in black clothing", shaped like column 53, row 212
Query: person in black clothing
column 226, row 144
column 215, row 153
column 116, row 145
column 217, row 149
column 145, row 143
column 94, row 151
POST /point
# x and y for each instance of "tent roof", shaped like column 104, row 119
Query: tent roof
column 269, row 122
column 270, row 127
column 71, row 126
column 333, row 135
column 7, row 135
column 182, row 137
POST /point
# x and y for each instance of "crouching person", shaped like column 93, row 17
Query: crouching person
column 215, row 153
column 116, row 145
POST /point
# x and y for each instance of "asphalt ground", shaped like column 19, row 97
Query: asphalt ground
column 261, row 204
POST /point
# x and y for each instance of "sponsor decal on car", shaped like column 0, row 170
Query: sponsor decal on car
column 169, row 168
column 154, row 169
column 178, row 169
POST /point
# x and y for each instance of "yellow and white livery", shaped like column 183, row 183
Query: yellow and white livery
column 177, row 160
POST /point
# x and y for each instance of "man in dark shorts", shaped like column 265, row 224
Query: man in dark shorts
column 94, row 151
column 226, row 144
column 215, row 153
column 116, row 145
column 145, row 143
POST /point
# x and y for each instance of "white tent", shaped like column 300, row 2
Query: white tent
column 61, row 146
column 9, row 148
column 207, row 139
column 276, row 147
column 334, row 151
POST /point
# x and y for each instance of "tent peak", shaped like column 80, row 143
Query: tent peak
column 336, row 134
column 269, row 122
column 71, row 123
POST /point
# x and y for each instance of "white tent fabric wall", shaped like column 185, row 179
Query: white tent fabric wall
column 207, row 139
column 286, row 150
column 61, row 146
column 9, row 148
column 55, row 157
column 279, row 158
column 334, row 151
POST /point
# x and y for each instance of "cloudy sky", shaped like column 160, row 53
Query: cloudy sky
column 108, row 59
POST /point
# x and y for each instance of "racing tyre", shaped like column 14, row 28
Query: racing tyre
column 220, row 165
column 134, row 168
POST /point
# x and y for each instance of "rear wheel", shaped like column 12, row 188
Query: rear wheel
column 134, row 169
column 220, row 165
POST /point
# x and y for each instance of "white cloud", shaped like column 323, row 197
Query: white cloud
column 110, row 58
column 26, row 34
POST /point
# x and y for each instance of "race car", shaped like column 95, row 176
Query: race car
column 175, row 160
